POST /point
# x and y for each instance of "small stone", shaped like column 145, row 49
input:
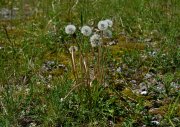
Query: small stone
column 156, row 111
column 48, row 66
column 133, row 81
column 50, row 77
column 147, row 40
column 105, row 84
column 142, row 84
column 50, row 63
column 119, row 70
column 38, row 83
column 160, row 86
column 49, row 86
column 153, row 53
column 32, row 124
column 176, row 120
column 112, row 43
column 175, row 85
column 144, row 93
column 148, row 75
column 154, row 122
column 111, row 123
column 63, row 67
column 143, row 89
column 122, row 33
column 118, row 81
column 27, row 90
column 154, row 32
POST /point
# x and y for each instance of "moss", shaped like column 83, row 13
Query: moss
column 131, row 45
column 156, row 111
column 56, row 72
column 60, row 57
column 127, row 92
column 123, row 46
column 148, row 103
column 116, row 50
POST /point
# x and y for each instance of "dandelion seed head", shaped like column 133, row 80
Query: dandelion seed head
column 109, row 22
column 107, row 34
column 73, row 49
column 102, row 25
column 95, row 40
column 70, row 29
column 86, row 30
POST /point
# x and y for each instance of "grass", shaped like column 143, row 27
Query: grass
column 39, row 87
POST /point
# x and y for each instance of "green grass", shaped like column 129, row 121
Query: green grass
column 147, row 33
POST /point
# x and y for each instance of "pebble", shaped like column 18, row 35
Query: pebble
column 32, row 124
column 148, row 75
column 148, row 40
column 119, row 70
column 153, row 53
column 133, row 81
column 144, row 93
column 112, row 43
column 155, row 122
column 175, row 85
column 142, row 84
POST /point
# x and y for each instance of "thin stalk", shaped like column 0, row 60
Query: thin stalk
column 80, row 58
column 73, row 65
column 103, row 63
column 99, row 64
column 171, row 122
column 74, row 87
column 72, row 62
column 85, row 62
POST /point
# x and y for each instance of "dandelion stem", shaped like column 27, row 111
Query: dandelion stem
column 99, row 64
column 73, row 65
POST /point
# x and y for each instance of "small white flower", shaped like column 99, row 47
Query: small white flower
column 95, row 40
column 102, row 25
column 86, row 31
column 107, row 34
column 109, row 22
column 73, row 49
column 70, row 29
